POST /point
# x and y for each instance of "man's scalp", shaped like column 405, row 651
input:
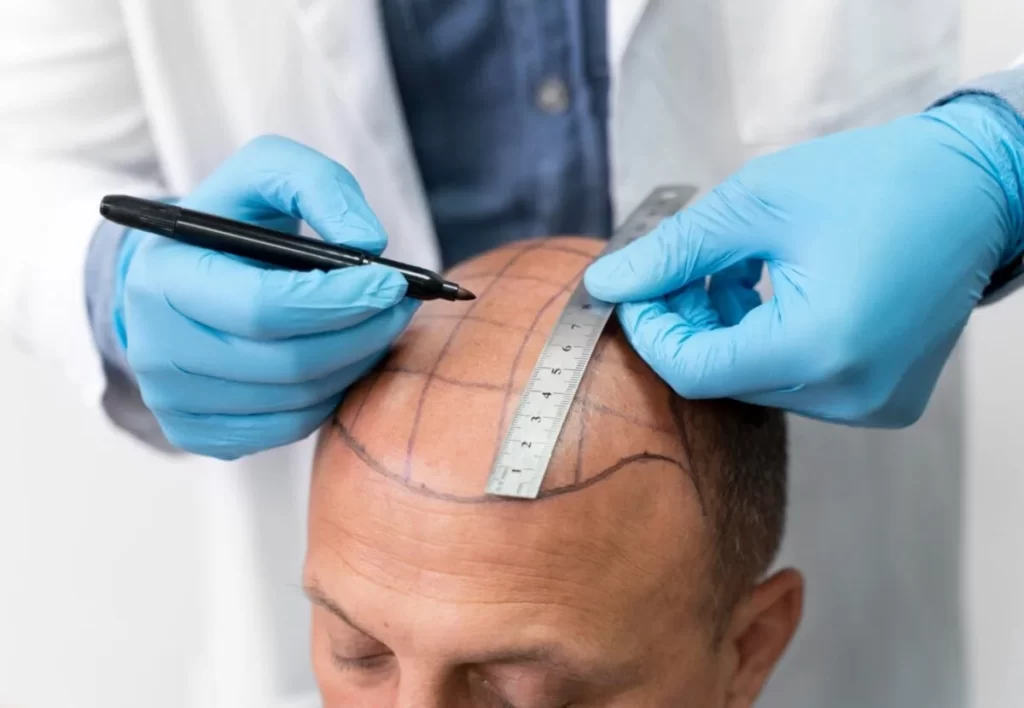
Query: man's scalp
column 433, row 414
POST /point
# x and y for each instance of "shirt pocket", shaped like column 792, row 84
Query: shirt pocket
column 801, row 69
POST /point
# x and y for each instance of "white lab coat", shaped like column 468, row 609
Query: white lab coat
column 149, row 96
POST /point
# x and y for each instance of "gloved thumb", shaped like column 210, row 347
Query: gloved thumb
column 708, row 237
column 686, row 343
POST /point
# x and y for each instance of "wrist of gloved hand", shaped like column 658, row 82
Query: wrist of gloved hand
column 997, row 131
column 126, row 250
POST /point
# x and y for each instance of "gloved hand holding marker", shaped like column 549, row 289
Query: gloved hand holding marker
column 879, row 244
column 234, row 358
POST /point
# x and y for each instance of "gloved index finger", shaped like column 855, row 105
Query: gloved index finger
column 243, row 299
column 274, row 175
column 713, row 234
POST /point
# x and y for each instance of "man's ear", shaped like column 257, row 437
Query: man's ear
column 761, row 629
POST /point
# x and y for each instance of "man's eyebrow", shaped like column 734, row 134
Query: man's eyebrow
column 550, row 655
column 318, row 597
column 555, row 657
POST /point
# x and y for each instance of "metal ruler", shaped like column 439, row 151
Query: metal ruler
column 524, row 455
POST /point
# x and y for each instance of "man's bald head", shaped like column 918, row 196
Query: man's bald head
column 656, row 517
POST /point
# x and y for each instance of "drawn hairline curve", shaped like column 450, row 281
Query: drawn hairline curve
column 643, row 457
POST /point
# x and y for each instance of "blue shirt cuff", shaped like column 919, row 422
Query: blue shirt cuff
column 1007, row 87
column 107, row 256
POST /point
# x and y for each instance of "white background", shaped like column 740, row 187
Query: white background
column 75, row 496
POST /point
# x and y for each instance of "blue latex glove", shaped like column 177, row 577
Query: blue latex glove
column 879, row 243
column 232, row 357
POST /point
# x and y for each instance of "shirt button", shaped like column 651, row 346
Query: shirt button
column 553, row 95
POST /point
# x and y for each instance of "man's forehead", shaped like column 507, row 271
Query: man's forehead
column 645, row 520
column 618, row 566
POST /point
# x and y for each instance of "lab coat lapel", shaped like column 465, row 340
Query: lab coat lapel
column 349, row 39
column 623, row 18
column 348, row 36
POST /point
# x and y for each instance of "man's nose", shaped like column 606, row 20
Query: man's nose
column 429, row 689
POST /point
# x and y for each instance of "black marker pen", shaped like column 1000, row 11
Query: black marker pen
column 265, row 245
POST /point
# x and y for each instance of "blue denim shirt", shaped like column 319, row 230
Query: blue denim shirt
column 507, row 104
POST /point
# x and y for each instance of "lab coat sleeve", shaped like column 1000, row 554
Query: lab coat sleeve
column 72, row 128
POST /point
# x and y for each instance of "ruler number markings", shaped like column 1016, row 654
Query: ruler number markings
column 526, row 451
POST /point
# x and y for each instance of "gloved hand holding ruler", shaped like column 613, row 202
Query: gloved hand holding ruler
column 524, row 455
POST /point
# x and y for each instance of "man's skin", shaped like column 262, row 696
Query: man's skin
column 429, row 594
